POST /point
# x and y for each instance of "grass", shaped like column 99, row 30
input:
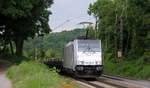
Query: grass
column 37, row 75
column 132, row 69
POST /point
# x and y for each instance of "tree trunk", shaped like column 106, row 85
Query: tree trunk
column 116, row 45
column 121, row 36
column 19, row 46
column 11, row 47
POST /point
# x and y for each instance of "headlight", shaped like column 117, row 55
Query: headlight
column 98, row 68
column 98, row 62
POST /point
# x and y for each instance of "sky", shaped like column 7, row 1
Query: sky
column 67, row 14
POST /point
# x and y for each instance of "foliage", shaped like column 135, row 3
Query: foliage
column 37, row 75
column 90, row 32
column 52, row 43
column 23, row 19
column 123, row 26
column 13, row 58
column 53, row 53
column 132, row 69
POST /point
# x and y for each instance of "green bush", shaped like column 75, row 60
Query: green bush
column 13, row 58
column 37, row 75
column 132, row 69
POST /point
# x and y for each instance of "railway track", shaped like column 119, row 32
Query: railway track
column 106, row 81
column 98, row 84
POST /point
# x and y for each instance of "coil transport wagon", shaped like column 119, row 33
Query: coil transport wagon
column 83, row 58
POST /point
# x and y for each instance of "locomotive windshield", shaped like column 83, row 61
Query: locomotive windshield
column 89, row 46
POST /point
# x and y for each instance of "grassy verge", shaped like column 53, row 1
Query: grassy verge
column 37, row 75
column 132, row 69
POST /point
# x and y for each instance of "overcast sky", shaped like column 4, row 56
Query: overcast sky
column 68, row 13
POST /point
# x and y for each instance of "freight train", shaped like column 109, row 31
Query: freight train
column 83, row 58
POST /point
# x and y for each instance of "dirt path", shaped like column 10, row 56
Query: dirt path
column 4, row 81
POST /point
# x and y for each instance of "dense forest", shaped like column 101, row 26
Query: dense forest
column 124, row 28
column 51, row 45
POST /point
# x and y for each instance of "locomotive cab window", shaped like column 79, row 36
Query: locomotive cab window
column 88, row 46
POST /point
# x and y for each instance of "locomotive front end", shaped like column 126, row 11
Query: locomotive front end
column 89, row 58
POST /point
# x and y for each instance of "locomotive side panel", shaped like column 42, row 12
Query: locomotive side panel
column 68, row 56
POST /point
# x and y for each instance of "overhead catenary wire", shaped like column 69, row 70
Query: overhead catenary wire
column 69, row 20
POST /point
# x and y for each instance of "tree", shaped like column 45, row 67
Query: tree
column 52, row 42
column 23, row 19
column 53, row 53
column 122, row 25
column 91, row 32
